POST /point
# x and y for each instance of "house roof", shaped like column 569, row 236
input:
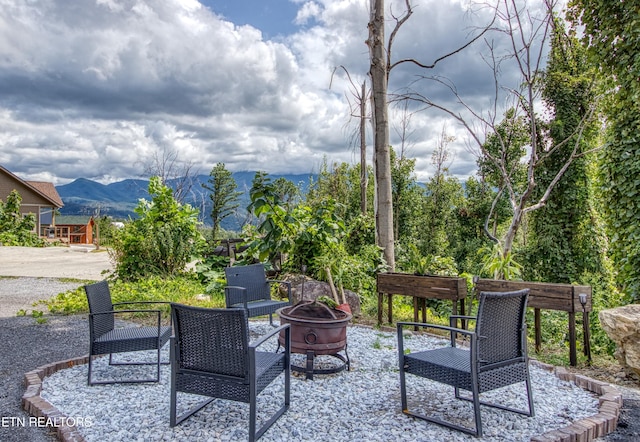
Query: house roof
column 44, row 189
column 48, row 190
column 73, row 220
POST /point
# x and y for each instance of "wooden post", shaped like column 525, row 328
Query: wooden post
column 538, row 329
column 573, row 359
column 586, row 337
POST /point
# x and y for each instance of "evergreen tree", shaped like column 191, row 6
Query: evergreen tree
column 223, row 196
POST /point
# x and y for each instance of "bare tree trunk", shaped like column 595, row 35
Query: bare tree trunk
column 379, row 77
column 363, row 150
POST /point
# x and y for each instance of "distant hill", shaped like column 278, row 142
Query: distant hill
column 118, row 200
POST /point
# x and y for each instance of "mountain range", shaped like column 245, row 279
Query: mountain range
column 118, row 200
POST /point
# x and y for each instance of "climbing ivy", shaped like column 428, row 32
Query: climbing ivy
column 612, row 34
column 566, row 237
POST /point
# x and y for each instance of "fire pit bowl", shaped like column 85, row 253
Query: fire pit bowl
column 316, row 330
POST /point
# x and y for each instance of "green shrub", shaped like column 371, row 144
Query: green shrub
column 15, row 229
column 161, row 241
column 181, row 290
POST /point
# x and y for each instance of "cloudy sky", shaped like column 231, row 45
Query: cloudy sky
column 99, row 88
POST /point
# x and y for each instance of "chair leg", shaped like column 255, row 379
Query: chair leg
column 89, row 370
column 477, row 431
column 502, row 407
column 403, row 389
column 174, row 419
column 252, row 413
column 255, row 435
column 157, row 363
column 476, row 409
column 529, row 394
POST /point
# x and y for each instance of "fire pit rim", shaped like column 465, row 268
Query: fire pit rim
column 280, row 312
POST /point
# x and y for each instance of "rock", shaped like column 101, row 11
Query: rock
column 307, row 289
column 622, row 325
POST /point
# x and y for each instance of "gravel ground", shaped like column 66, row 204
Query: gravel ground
column 360, row 405
column 28, row 345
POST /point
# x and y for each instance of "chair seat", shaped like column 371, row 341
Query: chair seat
column 131, row 339
column 268, row 367
column 449, row 365
column 260, row 308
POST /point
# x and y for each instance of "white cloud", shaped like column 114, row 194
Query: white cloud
column 93, row 88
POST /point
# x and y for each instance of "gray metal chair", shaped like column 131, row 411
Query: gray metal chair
column 211, row 356
column 105, row 338
column 249, row 288
column 497, row 356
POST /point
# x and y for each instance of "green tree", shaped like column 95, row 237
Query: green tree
column 612, row 34
column 340, row 182
column 15, row 229
column 526, row 50
column 161, row 241
column 444, row 195
column 287, row 191
column 291, row 235
column 406, row 197
column 223, row 195
column 471, row 215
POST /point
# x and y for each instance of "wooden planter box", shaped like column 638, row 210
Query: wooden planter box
column 420, row 288
column 549, row 296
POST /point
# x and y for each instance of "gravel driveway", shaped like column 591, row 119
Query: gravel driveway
column 28, row 275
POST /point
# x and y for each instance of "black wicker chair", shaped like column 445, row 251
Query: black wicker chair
column 105, row 338
column 249, row 288
column 211, row 356
column 497, row 356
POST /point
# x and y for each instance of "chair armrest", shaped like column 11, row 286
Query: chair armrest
column 453, row 331
column 146, row 302
column 114, row 312
column 234, row 295
column 436, row 326
column 453, row 318
column 287, row 283
column 141, row 302
column 266, row 337
column 463, row 317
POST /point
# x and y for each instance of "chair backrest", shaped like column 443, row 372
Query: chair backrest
column 212, row 340
column 251, row 277
column 500, row 326
column 99, row 299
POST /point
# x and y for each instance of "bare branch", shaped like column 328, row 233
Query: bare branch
column 494, row 203
column 439, row 59
column 399, row 22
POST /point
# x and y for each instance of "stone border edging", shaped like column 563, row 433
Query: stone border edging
column 34, row 405
column 592, row 427
column 583, row 430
